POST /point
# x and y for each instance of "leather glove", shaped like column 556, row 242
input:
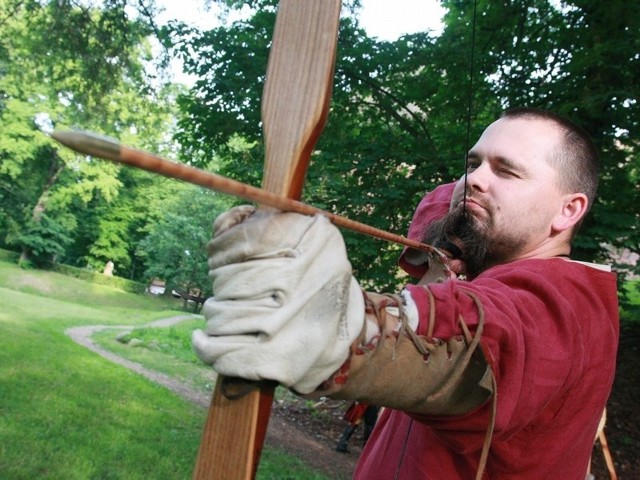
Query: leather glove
column 285, row 304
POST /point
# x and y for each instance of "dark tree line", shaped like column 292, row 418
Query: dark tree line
column 399, row 113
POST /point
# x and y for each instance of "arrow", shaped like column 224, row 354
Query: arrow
column 107, row 148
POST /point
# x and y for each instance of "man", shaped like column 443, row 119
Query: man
column 504, row 375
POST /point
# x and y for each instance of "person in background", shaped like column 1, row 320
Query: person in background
column 356, row 414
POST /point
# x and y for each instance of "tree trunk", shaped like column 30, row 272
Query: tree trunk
column 40, row 207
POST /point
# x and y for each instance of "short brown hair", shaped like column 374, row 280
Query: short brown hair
column 577, row 161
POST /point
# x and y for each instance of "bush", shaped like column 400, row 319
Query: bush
column 93, row 277
column 9, row 256
column 99, row 278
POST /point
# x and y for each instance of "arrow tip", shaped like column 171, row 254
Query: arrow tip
column 89, row 143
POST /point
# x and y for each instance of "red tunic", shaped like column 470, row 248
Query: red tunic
column 550, row 337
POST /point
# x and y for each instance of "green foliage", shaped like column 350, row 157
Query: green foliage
column 397, row 127
column 61, row 65
column 399, row 109
column 568, row 58
column 382, row 148
column 175, row 248
column 630, row 302
column 45, row 239
column 376, row 141
column 99, row 278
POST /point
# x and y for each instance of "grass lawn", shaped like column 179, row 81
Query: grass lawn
column 66, row 413
column 166, row 350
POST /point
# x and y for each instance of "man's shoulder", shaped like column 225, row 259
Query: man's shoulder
column 556, row 266
column 597, row 266
column 433, row 206
column 553, row 280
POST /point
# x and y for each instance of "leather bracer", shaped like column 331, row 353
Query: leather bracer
column 413, row 373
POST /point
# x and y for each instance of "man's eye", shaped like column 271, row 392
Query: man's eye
column 471, row 166
column 506, row 172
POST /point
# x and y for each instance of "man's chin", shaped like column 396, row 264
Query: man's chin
column 477, row 221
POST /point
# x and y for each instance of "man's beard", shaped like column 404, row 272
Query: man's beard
column 481, row 247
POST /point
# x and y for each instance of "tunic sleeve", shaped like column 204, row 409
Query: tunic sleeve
column 533, row 337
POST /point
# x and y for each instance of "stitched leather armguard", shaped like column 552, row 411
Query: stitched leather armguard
column 417, row 374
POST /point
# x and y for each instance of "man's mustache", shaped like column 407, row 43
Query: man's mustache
column 463, row 201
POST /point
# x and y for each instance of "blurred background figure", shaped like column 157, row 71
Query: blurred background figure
column 356, row 414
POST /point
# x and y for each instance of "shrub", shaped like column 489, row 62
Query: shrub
column 99, row 278
column 9, row 256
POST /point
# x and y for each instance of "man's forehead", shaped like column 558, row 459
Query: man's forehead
column 529, row 122
column 512, row 137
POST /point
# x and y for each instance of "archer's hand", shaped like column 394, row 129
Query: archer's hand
column 285, row 305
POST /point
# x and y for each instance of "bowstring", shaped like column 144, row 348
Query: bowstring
column 469, row 103
column 466, row 169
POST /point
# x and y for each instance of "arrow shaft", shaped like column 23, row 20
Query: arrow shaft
column 102, row 147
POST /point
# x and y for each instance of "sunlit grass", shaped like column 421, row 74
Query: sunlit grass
column 67, row 413
column 167, row 350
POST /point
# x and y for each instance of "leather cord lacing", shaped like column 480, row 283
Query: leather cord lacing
column 473, row 342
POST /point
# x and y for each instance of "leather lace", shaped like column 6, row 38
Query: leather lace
column 473, row 342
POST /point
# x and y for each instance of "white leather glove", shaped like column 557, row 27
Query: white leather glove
column 285, row 305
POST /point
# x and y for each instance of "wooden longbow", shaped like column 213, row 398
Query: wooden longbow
column 295, row 105
column 294, row 110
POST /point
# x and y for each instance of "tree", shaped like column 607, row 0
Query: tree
column 62, row 65
column 579, row 59
column 399, row 116
column 174, row 249
column 110, row 231
column 383, row 147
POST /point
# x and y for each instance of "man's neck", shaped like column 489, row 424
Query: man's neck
column 557, row 246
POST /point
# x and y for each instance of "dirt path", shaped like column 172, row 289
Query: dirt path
column 313, row 448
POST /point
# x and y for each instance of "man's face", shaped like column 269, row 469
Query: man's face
column 512, row 194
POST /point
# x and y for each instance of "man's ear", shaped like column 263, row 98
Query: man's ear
column 573, row 208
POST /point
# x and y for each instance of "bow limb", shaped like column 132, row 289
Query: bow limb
column 295, row 105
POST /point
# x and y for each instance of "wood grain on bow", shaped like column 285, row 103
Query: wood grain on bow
column 295, row 105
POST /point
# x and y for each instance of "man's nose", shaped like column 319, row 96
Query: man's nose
column 478, row 179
